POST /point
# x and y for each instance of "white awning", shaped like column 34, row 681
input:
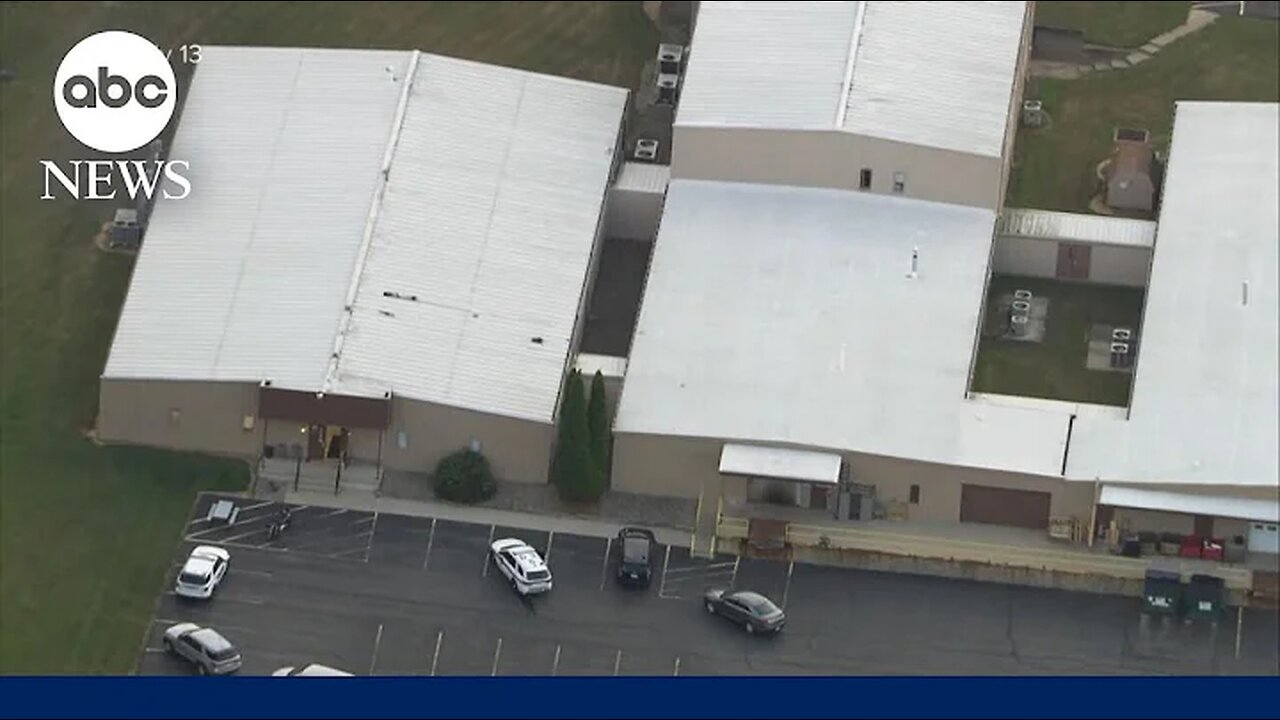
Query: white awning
column 1211, row 505
column 782, row 463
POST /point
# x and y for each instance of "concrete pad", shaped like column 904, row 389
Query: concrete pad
column 1150, row 48
column 1135, row 58
column 1119, row 65
column 1102, row 65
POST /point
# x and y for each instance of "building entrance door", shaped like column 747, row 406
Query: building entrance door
column 315, row 442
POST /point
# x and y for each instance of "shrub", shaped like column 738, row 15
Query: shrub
column 577, row 476
column 598, row 424
column 464, row 477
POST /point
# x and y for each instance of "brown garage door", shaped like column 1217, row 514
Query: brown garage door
column 1001, row 506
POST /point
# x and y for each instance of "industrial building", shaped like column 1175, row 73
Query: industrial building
column 387, row 255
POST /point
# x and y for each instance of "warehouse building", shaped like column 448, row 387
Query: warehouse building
column 384, row 259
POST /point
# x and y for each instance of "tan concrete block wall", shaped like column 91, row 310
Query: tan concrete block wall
column 518, row 450
column 665, row 466
column 834, row 159
column 182, row 415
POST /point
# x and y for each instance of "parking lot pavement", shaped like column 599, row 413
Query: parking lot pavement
column 393, row 595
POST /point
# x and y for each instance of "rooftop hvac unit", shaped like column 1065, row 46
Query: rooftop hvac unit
column 126, row 231
column 1021, row 294
column 646, row 150
column 667, row 86
column 1121, row 335
column 1033, row 114
column 670, row 57
column 1018, row 325
column 1021, row 307
column 1120, row 356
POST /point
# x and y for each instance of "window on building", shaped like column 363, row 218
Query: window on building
column 864, row 179
column 915, row 494
column 899, row 182
column 402, row 440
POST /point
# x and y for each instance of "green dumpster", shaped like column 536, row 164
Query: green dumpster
column 1205, row 598
column 1162, row 593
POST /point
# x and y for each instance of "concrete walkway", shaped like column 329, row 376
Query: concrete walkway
column 1197, row 19
column 477, row 515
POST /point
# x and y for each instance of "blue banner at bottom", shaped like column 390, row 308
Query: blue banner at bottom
column 704, row 698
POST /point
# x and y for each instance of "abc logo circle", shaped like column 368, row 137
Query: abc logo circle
column 114, row 91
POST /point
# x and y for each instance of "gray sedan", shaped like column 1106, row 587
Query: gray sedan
column 753, row 611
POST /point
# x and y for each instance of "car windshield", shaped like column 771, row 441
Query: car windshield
column 635, row 550
column 223, row 653
column 192, row 578
column 539, row 575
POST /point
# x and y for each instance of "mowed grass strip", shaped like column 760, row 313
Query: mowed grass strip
column 86, row 533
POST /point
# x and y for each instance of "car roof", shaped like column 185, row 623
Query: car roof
column 753, row 600
column 211, row 640
column 199, row 564
column 528, row 558
column 636, row 546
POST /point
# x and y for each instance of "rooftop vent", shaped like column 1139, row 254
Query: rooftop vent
column 1021, row 294
column 1121, row 335
column 668, row 83
column 670, row 56
column 1021, row 307
column 399, row 296
column 646, row 150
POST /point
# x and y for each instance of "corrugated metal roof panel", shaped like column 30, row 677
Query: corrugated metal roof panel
column 489, row 220
column 1076, row 227
column 767, row 64
column 242, row 279
column 937, row 74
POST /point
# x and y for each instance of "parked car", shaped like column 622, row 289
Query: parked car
column 209, row 651
column 635, row 556
column 755, row 612
column 202, row 573
column 311, row 670
column 523, row 567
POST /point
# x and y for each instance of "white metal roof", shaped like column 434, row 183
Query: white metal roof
column 489, row 221
column 1205, row 400
column 785, row 315
column 243, row 279
column 776, row 462
column 1076, row 227
column 938, row 74
column 487, row 217
column 1211, row 505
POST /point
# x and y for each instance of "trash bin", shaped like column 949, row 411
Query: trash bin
column 1162, row 593
column 1205, row 598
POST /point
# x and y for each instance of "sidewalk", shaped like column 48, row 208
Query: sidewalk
column 477, row 515
column 1197, row 19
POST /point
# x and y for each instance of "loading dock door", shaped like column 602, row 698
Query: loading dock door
column 1002, row 506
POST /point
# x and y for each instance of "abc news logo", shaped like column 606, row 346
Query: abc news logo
column 115, row 92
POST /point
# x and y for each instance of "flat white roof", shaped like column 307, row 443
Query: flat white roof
column 244, row 278
column 783, row 463
column 463, row 270
column 1205, row 400
column 933, row 74
column 785, row 315
column 1212, row 505
column 1076, row 227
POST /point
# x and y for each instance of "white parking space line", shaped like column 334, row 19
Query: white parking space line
column 240, row 520
column 676, row 672
column 373, row 530
column 713, row 569
column 164, row 621
column 362, row 521
column 487, row 551
column 662, row 585
column 555, row 664
column 324, row 540
column 497, row 654
column 241, row 536
column 786, row 588
column 377, row 642
column 604, row 566
column 431, row 538
column 546, row 556
column 332, row 514
column 435, row 656
column 733, row 579
column 617, row 663
column 155, row 650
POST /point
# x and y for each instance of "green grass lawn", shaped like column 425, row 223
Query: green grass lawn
column 1232, row 59
column 86, row 533
column 1055, row 367
column 1116, row 24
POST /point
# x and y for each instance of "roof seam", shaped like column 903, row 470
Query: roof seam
column 842, row 106
column 357, row 273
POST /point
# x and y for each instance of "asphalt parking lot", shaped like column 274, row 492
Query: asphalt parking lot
column 395, row 595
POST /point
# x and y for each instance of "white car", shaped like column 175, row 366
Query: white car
column 202, row 572
column 522, row 566
column 311, row 670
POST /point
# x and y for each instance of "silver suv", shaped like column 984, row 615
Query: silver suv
column 211, row 653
